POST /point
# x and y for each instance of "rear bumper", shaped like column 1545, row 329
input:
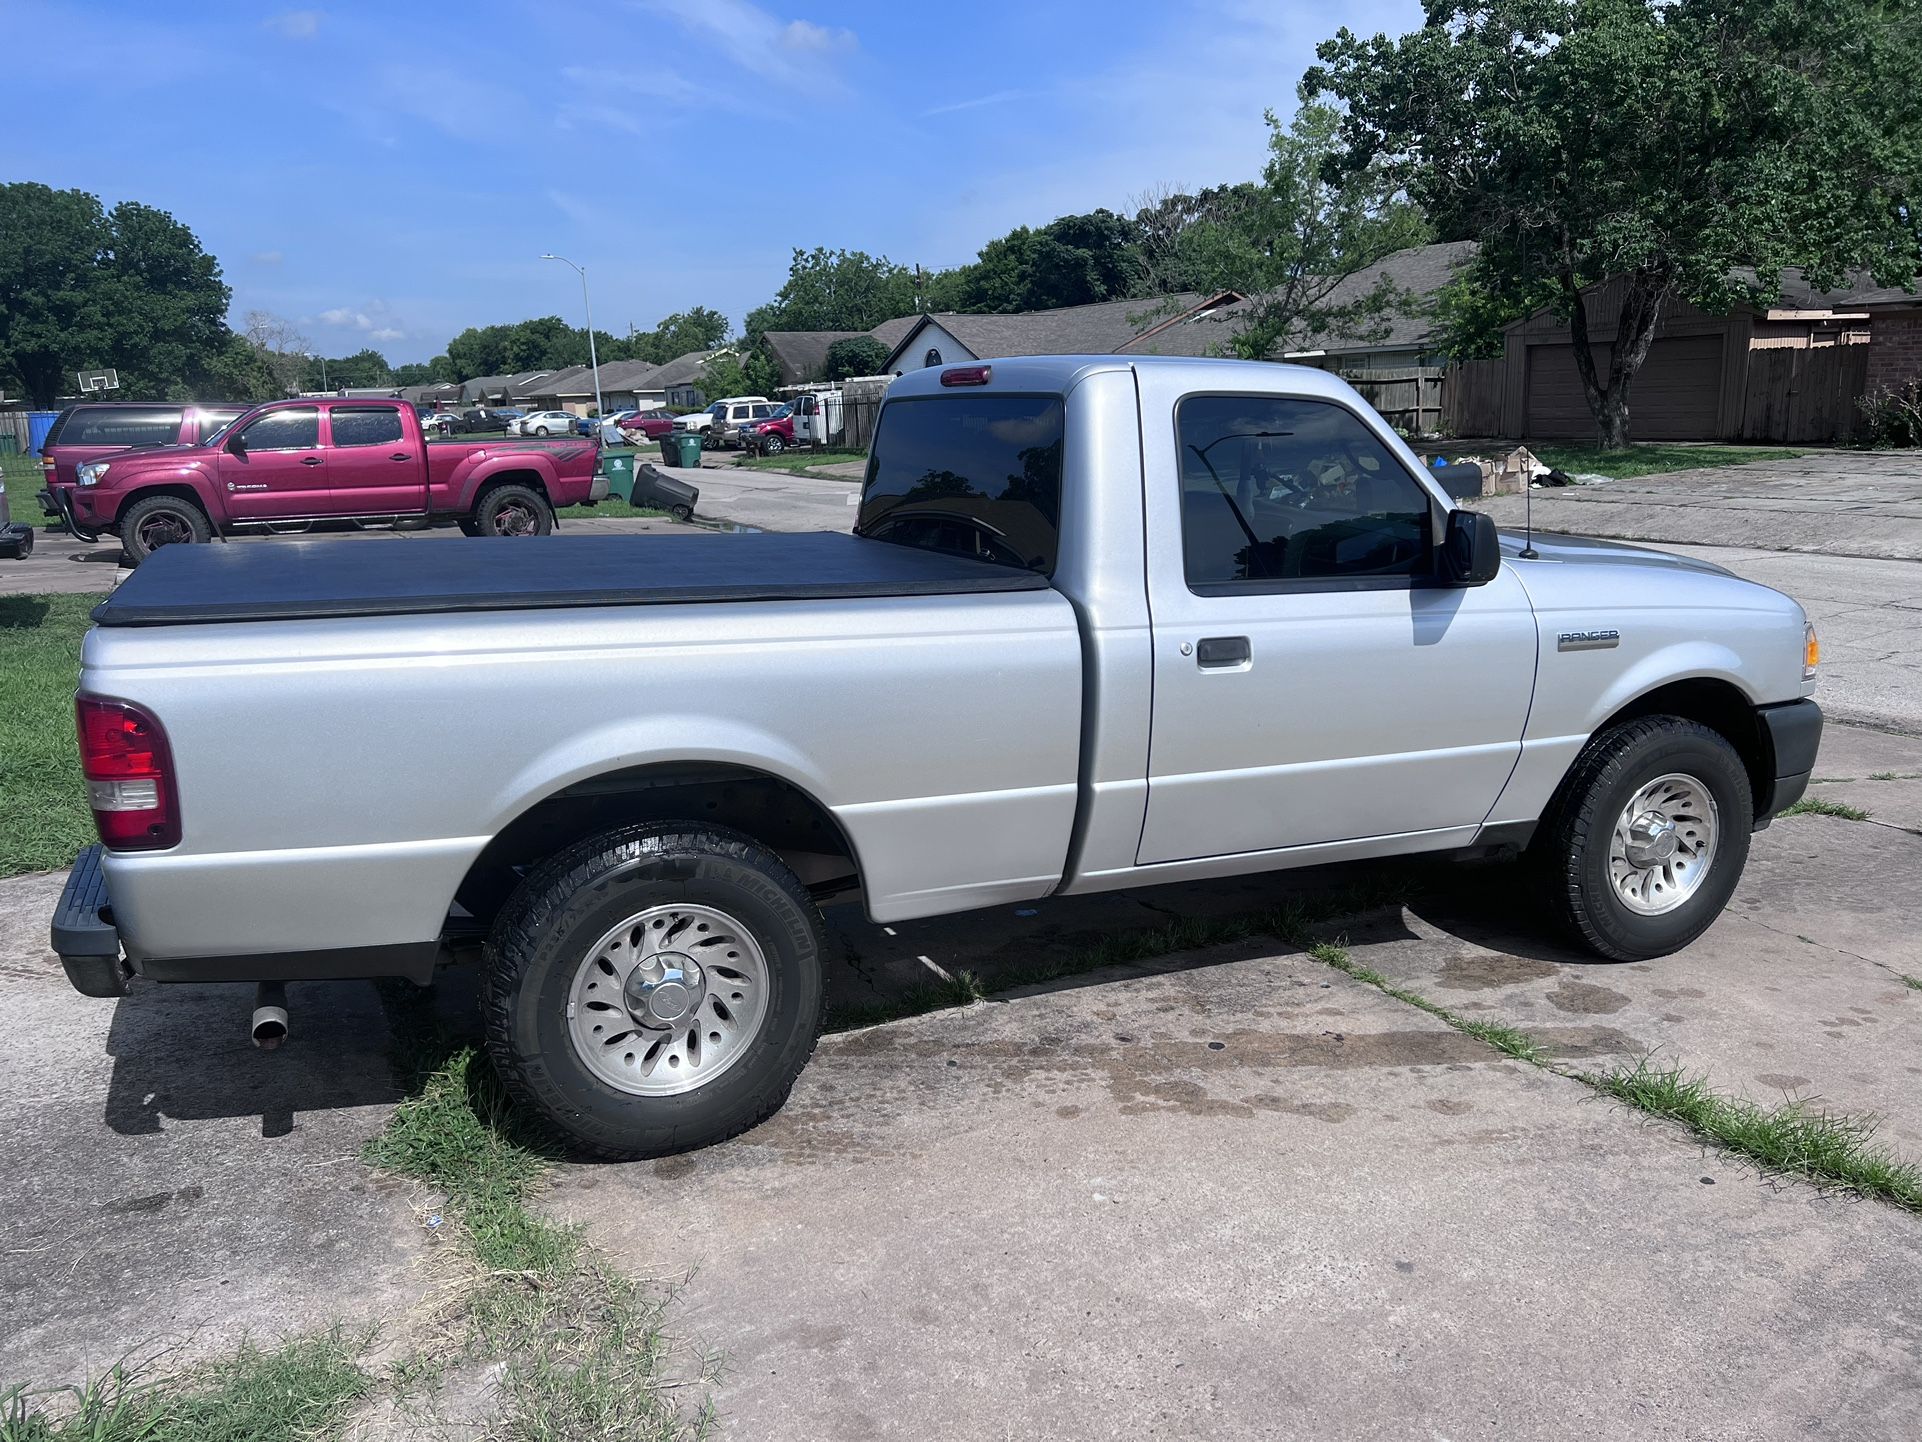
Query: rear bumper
column 1792, row 734
column 87, row 941
column 597, row 492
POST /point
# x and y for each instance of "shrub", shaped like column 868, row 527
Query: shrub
column 1892, row 416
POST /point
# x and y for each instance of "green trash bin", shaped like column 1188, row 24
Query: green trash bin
column 617, row 464
column 9, row 444
column 681, row 448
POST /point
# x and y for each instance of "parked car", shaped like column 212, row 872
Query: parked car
column 648, row 425
column 440, row 423
column 771, row 436
column 729, row 415
column 482, row 419
column 510, row 417
column 543, row 424
column 97, row 429
column 16, row 537
column 1231, row 627
column 290, row 463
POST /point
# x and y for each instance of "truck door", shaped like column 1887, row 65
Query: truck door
column 807, row 412
column 373, row 468
column 278, row 470
column 1312, row 683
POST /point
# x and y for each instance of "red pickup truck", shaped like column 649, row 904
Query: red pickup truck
column 287, row 464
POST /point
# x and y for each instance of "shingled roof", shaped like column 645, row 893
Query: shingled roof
column 1102, row 328
column 802, row 355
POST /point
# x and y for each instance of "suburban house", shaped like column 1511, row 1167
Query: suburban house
column 1787, row 370
column 678, row 383
column 623, row 386
column 802, row 355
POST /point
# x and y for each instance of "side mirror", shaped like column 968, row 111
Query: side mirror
column 235, row 445
column 1471, row 552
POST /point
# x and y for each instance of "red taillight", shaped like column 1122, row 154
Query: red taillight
column 130, row 775
column 966, row 375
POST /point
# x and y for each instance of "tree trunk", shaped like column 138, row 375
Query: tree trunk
column 1643, row 296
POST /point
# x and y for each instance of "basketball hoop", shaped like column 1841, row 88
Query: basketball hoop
column 99, row 381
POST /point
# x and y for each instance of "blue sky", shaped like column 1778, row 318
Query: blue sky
column 388, row 174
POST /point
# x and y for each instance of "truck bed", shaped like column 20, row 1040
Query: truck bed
column 302, row 580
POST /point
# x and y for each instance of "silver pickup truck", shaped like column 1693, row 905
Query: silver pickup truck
column 1103, row 622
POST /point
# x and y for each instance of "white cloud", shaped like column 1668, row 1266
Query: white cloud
column 295, row 24
column 749, row 38
column 341, row 315
column 1000, row 97
column 387, row 332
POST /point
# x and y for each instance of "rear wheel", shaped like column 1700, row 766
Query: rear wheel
column 156, row 521
column 1648, row 837
column 513, row 510
column 655, row 989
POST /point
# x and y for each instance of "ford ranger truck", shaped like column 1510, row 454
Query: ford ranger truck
column 1103, row 622
column 285, row 465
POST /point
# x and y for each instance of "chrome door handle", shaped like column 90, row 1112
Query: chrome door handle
column 1213, row 651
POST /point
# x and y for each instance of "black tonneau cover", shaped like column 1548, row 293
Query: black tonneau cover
column 300, row 580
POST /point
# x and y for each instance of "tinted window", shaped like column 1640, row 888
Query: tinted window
column 1293, row 490
column 117, row 426
column 973, row 476
column 290, row 430
column 215, row 419
column 375, row 426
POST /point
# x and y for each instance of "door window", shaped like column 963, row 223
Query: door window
column 295, row 429
column 374, row 426
column 1281, row 493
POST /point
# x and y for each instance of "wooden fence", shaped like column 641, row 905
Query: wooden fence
column 1409, row 398
column 1471, row 394
column 1806, row 395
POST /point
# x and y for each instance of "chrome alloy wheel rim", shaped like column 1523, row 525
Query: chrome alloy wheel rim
column 668, row 1000
column 1664, row 844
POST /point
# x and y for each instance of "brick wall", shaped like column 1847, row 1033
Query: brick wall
column 1895, row 350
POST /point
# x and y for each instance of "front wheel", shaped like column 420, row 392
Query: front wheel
column 513, row 510
column 156, row 521
column 1647, row 839
column 773, row 446
column 655, row 989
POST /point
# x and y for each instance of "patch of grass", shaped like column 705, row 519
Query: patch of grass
column 1793, row 1138
column 1913, row 983
column 1507, row 1039
column 1816, row 806
column 803, row 462
column 46, row 818
column 613, row 508
column 1895, row 776
column 23, row 479
column 298, row 1390
column 580, row 1350
column 1653, row 459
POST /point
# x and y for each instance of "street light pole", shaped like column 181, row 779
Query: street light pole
column 593, row 360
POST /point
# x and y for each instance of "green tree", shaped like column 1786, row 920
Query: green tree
column 84, row 288
column 835, row 290
column 723, row 376
column 1667, row 142
column 1291, row 241
column 1162, row 222
column 760, row 376
column 686, row 330
column 422, row 373
column 860, row 355
column 1070, row 261
column 363, row 369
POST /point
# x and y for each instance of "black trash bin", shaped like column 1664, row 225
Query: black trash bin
column 677, row 498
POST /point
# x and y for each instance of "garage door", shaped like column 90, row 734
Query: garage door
column 1675, row 397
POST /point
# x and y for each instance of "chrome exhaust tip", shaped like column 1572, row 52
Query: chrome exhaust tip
column 270, row 1015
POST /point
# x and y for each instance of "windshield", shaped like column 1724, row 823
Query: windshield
column 972, row 476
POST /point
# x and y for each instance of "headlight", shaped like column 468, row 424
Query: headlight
column 1811, row 651
column 90, row 473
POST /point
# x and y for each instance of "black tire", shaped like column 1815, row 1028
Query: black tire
column 1573, row 850
column 682, row 512
column 543, row 432
column 773, row 446
column 545, row 934
column 469, row 526
column 513, row 510
column 155, row 521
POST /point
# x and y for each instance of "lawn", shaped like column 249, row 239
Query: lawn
column 613, row 508
column 802, row 462
column 1653, row 458
column 23, row 481
column 46, row 819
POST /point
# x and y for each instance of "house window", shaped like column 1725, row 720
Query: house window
column 932, row 358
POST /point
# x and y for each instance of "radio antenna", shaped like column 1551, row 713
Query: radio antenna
column 1529, row 553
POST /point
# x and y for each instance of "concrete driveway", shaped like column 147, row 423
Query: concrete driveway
column 1228, row 1193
